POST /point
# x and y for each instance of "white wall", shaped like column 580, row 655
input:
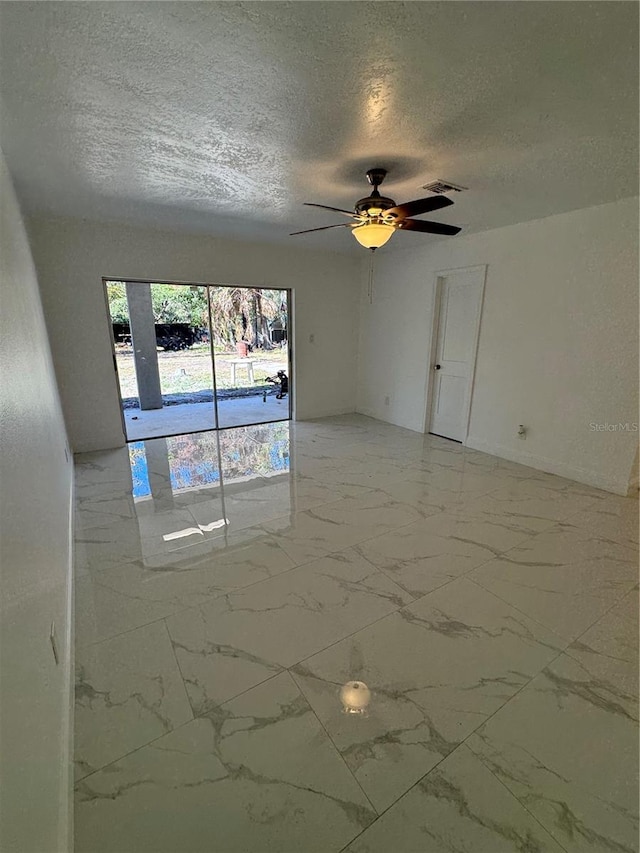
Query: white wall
column 558, row 343
column 35, row 541
column 72, row 257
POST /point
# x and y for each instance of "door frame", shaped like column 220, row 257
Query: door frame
column 436, row 305
column 263, row 286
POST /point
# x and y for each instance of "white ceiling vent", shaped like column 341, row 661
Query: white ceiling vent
column 442, row 187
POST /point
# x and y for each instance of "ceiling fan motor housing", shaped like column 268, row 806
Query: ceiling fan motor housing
column 375, row 200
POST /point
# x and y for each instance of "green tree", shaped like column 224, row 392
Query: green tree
column 244, row 313
column 178, row 303
column 118, row 307
column 172, row 303
column 237, row 313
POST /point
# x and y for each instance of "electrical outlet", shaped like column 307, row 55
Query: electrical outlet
column 522, row 431
column 312, row 339
column 386, row 400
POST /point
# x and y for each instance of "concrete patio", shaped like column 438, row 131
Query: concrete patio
column 193, row 417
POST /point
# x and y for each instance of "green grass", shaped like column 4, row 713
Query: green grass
column 190, row 370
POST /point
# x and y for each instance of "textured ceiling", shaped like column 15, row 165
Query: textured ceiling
column 225, row 117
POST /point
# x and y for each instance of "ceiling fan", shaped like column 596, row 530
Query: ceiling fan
column 376, row 217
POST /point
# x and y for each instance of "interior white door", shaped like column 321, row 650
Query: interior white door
column 460, row 302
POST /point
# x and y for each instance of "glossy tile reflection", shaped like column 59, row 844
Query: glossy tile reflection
column 286, row 630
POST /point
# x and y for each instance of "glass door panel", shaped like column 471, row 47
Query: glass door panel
column 163, row 358
column 250, row 331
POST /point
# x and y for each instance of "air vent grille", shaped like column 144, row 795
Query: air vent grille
column 442, row 187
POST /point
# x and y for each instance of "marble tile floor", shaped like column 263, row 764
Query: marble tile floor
column 230, row 588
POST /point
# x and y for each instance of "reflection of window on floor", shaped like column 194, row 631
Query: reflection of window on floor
column 186, row 462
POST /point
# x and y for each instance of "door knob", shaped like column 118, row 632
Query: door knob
column 437, row 367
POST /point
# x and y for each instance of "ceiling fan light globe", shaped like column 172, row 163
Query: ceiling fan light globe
column 372, row 235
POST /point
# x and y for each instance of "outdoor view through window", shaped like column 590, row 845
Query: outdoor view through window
column 198, row 357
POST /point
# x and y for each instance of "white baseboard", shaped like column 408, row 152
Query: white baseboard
column 325, row 413
column 385, row 418
column 551, row 466
column 66, row 806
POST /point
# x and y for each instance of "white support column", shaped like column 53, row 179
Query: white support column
column 143, row 338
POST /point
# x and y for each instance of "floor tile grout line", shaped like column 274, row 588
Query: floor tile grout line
column 90, row 572
column 81, row 646
column 419, row 596
column 179, row 668
column 212, row 597
column 381, row 571
column 194, row 714
column 205, row 715
column 500, row 708
column 429, row 772
column 502, row 554
column 371, row 488
column 546, row 829
column 333, row 744
column 283, row 668
column 222, row 594
column 539, row 672
column 348, row 636
column 354, row 547
column 446, row 509
column 462, row 743
column 378, row 569
column 495, row 556
column 485, row 721
column 218, row 704
column 615, row 604
column 340, row 550
column 176, row 728
column 521, row 612
column 543, row 624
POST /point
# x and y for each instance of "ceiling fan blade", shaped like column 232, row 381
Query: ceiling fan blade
column 428, row 227
column 335, row 209
column 322, row 228
column 420, row 205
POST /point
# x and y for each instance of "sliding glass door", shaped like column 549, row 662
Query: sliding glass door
column 191, row 358
column 250, row 331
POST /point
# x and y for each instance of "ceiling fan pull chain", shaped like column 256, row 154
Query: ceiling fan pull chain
column 370, row 288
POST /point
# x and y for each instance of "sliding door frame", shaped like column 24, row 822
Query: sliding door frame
column 289, row 297
column 113, row 352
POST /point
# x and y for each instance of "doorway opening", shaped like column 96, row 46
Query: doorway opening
column 194, row 357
